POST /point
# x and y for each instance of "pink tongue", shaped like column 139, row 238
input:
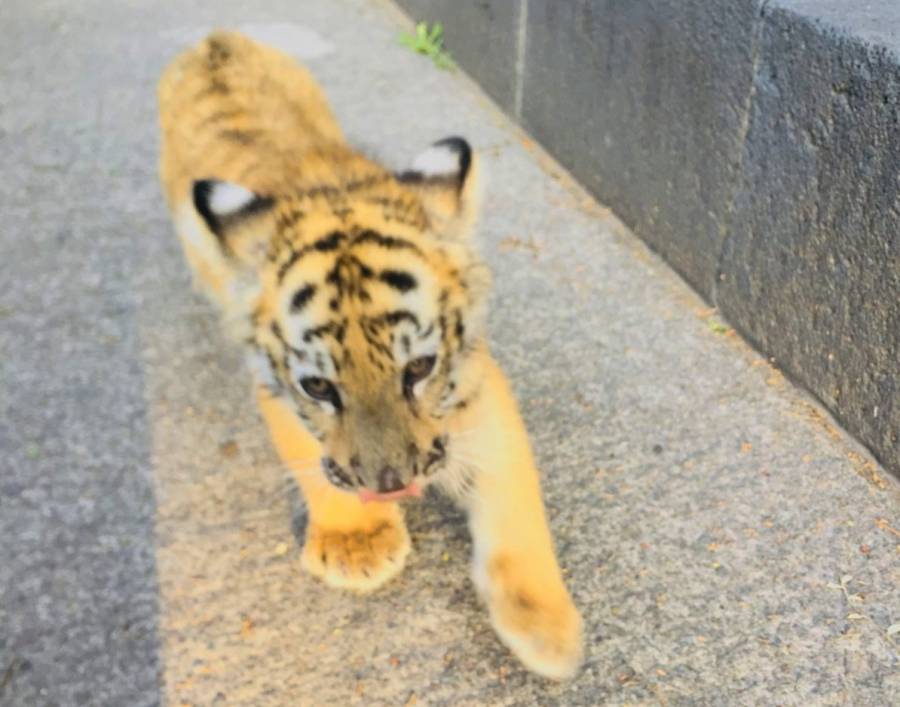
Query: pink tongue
column 411, row 491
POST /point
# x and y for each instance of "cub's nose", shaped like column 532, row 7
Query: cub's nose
column 389, row 480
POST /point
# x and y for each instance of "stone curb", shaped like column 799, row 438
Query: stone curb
column 754, row 144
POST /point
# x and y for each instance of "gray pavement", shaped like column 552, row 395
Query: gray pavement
column 726, row 543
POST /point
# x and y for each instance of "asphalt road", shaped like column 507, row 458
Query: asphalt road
column 726, row 543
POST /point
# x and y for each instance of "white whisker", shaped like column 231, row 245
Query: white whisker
column 458, row 476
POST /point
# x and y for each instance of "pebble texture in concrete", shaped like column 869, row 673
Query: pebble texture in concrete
column 78, row 583
column 815, row 238
column 726, row 543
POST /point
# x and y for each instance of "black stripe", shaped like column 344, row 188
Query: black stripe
column 395, row 317
column 373, row 324
column 410, row 177
column 342, row 212
column 425, row 334
column 285, row 347
column 286, row 219
column 325, row 244
column 334, row 277
column 375, row 362
column 215, row 87
column 330, row 242
column 408, row 211
column 332, row 191
column 399, row 280
column 365, row 271
column 219, row 116
column 389, row 242
column 366, row 182
column 272, row 364
column 241, row 137
column 324, row 190
column 381, row 348
column 318, row 332
column 302, row 297
column 218, row 52
column 460, row 327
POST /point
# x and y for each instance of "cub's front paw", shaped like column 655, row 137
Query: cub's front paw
column 534, row 617
column 361, row 559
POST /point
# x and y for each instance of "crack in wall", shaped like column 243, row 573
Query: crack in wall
column 521, row 46
column 744, row 130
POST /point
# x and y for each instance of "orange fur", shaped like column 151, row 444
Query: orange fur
column 343, row 279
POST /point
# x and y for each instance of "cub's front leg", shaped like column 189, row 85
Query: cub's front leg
column 514, row 564
column 348, row 544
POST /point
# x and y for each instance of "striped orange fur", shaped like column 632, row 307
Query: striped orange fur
column 360, row 300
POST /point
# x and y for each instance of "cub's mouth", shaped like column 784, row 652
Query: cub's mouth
column 389, row 483
column 413, row 490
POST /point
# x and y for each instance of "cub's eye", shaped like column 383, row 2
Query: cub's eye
column 321, row 389
column 417, row 370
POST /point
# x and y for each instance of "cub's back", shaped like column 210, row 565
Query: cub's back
column 243, row 112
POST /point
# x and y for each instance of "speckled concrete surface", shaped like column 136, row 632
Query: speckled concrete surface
column 726, row 543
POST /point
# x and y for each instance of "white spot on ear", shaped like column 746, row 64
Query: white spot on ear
column 226, row 198
column 437, row 161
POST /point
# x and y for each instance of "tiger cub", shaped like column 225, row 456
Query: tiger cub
column 361, row 302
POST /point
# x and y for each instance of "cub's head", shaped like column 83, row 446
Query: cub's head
column 365, row 306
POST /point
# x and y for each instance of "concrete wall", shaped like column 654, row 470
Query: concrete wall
column 755, row 144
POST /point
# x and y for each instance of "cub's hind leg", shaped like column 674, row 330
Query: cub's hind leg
column 349, row 544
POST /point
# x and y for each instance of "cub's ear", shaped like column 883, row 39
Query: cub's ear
column 445, row 177
column 234, row 214
column 224, row 204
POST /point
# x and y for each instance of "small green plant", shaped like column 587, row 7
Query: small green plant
column 429, row 42
column 717, row 327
